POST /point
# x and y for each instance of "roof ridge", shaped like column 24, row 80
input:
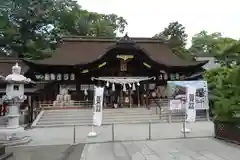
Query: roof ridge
column 112, row 39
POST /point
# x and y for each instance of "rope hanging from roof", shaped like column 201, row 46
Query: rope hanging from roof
column 122, row 80
column 130, row 81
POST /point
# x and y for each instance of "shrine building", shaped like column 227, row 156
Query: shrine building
column 128, row 68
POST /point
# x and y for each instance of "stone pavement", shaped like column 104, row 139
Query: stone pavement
column 50, row 152
column 169, row 144
column 122, row 132
column 171, row 149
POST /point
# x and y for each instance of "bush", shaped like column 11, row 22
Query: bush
column 224, row 87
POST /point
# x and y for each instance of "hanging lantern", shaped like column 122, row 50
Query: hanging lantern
column 113, row 87
column 124, row 87
column 38, row 76
column 138, row 84
column 72, row 76
column 177, row 76
column 107, row 84
column 52, row 76
column 165, row 76
column 59, row 77
column 172, row 77
column 47, row 77
column 133, row 87
column 65, row 76
column 85, row 92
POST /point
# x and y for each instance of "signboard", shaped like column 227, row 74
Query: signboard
column 98, row 106
column 178, row 90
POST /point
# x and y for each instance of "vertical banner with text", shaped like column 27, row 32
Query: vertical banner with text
column 191, row 104
column 98, row 106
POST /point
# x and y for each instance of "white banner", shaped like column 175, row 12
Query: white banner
column 191, row 104
column 98, row 106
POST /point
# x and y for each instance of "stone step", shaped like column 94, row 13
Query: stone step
column 90, row 111
column 90, row 121
column 90, row 117
column 113, row 120
column 107, row 123
column 121, row 115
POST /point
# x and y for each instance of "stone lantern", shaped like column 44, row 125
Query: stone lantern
column 14, row 97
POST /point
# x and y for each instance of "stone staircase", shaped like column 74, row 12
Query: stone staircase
column 70, row 117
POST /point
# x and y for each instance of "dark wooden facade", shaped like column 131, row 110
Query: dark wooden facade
column 90, row 57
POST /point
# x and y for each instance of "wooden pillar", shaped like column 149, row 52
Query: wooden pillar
column 129, row 97
column 78, row 86
column 121, row 98
column 30, row 110
column 147, row 95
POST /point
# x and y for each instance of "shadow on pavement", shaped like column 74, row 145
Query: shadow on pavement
column 50, row 152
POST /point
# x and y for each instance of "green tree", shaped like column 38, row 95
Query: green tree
column 27, row 29
column 176, row 37
column 224, row 84
column 230, row 55
column 83, row 23
column 209, row 44
column 32, row 28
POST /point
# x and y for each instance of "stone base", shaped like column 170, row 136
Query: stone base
column 14, row 141
column 8, row 136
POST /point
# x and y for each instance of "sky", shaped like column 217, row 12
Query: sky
column 147, row 17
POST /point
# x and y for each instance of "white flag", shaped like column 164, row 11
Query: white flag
column 191, row 104
column 98, row 106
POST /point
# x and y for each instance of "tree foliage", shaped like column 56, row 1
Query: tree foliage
column 213, row 44
column 230, row 55
column 32, row 28
column 176, row 37
column 224, row 84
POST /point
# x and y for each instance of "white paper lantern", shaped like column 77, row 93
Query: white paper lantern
column 177, row 76
column 38, row 76
column 172, row 76
column 107, row 84
column 52, row 76
column 59, row 77
column 47, row 77
column 65, row 76
column 72, row 76
column 165, row 76
column 160, row 77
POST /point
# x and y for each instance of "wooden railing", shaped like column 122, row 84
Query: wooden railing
column 75, row 104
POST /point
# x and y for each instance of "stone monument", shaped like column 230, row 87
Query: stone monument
column 14, row 97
